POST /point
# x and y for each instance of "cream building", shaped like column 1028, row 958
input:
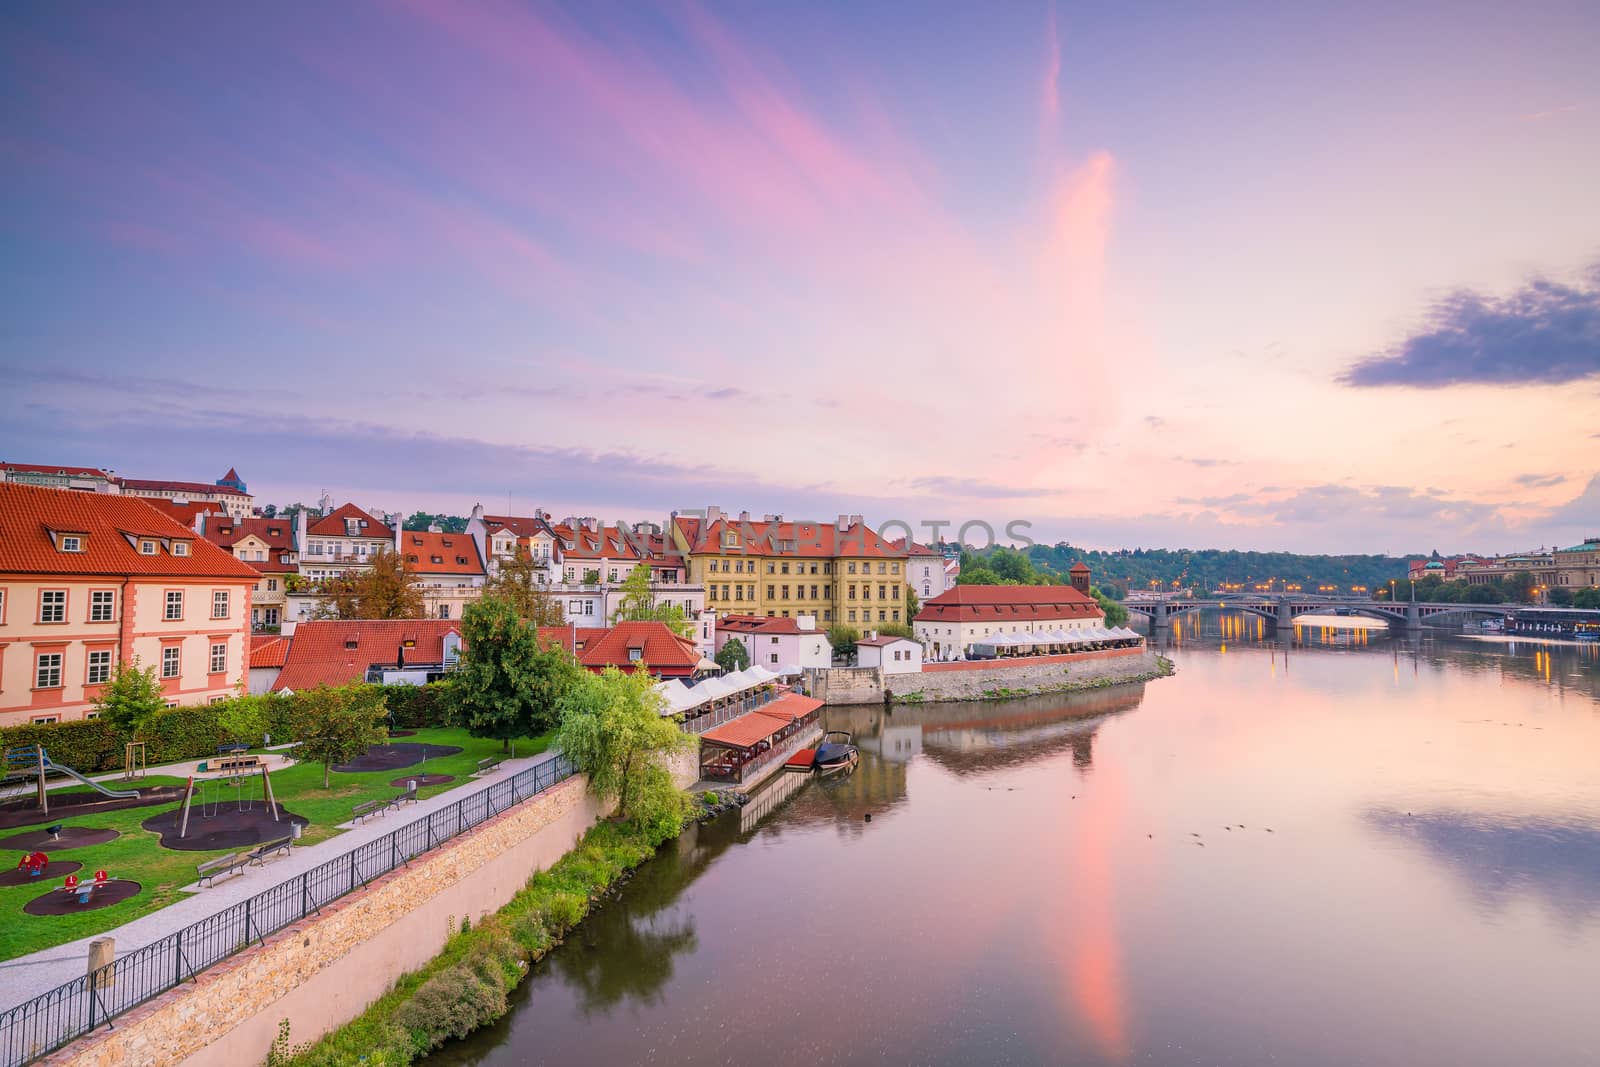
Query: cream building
column 948, row 625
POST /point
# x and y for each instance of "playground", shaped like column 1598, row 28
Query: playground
column 232, row 805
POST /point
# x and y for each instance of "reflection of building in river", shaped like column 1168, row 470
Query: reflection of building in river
column 896, row 743
column 1019, row 732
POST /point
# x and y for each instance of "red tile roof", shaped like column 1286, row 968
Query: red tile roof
column 608, row 542
column 756, row 726
column 1008, row 603
column 277, row 533
column 268, row 650
column 339, row 651
column 332, row 524
column 572, row 638
column 662, row 651
column 760, row 624
column 45, row 468
column 899, row 545
column 880, row 641
column 820, row 540
column 187, row 511
column 441, row 553
column 30, row 514
column 1079, row 567
column 522, row 526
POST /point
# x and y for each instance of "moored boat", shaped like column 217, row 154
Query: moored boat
column 836, row 753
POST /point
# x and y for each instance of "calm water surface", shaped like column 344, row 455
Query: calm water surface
column 1092, row 880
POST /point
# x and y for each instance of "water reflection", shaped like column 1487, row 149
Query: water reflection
column 1500, row 858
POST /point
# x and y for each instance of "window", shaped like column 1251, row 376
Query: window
column 147, row 548
column 219, row 603
column 773, row 658
column 444, row 611
column 219, row 658
column 883, row 568
column 2, row 605
column 786, row 589
column 45, row 720
column 180, row 548
column 47, row 671
column 174, row 604
column 169, row 661
column 216, row 700
column 99, row 666
column 635, row 655
column 852, row 567
column 270, row 616
column 785, row 567
column 71, row 544
column 272, row 585
column 883, row 616
column 53, row 605
column 102, row 605
column 852, row 592
column 588, row 607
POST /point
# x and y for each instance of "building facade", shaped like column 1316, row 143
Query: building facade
column 83, row 479
column 88, row 581
column 894, row 655
column 341, row 540
column 786, row 646
column 268, row 547
column 228, row 492
column 949, row 624
column 447, row 567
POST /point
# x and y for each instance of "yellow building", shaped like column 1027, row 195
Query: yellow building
column 843, row 573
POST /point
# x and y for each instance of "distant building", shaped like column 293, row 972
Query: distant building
column 448, row 568
column 895, row 655
column 268, row 546
column 927, row 570
column 342, row 540
column 628, row 646
column 1578, row 567
column 228, row 491
column 951, row 622
column 787, row 646
column 84, row 479
column 90, row 580
column 335, row 652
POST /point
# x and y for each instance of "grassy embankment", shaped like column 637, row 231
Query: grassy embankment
column 161, row 872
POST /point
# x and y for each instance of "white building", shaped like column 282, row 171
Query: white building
column 949, row 624
column 778, row 644
column 896, row 655
column 927, row 574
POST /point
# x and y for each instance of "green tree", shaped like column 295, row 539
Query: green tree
column 340, row 724
column 1520, row 587
column 637, row 604
column 913, row 605
column 131, row 697
column 387, row 589
column 1586, row 598
column 517, row 580
column 843, row 639
column 613, row 729
column 733, row 656
column 1116, row 614
column 508, row 685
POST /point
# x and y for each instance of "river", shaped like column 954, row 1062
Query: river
column 1369, row 849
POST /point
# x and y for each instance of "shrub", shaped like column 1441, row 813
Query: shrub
column 456, row 1001
column 414, row 707
column 88, row 745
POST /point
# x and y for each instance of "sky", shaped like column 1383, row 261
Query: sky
column 1261, row 276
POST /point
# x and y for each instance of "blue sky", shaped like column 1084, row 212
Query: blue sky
column 1247, row 275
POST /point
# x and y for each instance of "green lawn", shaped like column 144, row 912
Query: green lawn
column 137, row 855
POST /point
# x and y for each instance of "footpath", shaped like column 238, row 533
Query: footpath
column 26, row 977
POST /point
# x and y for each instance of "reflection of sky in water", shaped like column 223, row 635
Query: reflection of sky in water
column 1500, row 858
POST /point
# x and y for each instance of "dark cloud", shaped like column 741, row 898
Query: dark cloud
column 1539, row 481
column 1544, row 332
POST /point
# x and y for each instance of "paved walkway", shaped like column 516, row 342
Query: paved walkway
column 26, row 977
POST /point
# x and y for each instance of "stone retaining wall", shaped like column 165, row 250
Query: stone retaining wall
column 324, row 971
column 845, row 685
column 1047, row 674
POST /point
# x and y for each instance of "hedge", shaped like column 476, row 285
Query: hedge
column 194, row 731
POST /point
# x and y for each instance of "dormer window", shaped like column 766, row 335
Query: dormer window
column 71, row 543
column 180, row 548
column 352, row 642
column 461, row 560
column 411, row 557
column 436, row 559
column 147, row 548
column 635, row 655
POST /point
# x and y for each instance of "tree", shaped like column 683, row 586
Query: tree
column 517, row 580
column 1586, row 598
column 340, row 725
column 1561, row 598
column 613, row 730
column 508, row 685
column 913, row 605
column 1520, row 587
column 388, row 589
column 636, row 603
column 130, row 697
column 1116, row 614
column 733, row 656
column 843, row 639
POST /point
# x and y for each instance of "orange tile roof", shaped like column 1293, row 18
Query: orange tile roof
column 821, row 540
column 30, row 514
column 756, row 726
column 899, row 545
column 522, row 526
column 608, row 542
column 339, row 651
column 790, row 706
column 760, row 624
column 277, row 533
column 662, row 651
column 187, row 511
column 1008, row 603
column 332, row 524
column 268, row 650
column 441, row 553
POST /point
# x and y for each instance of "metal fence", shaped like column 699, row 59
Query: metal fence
column 52, row 1019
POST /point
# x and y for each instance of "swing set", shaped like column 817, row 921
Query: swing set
column 213, row 794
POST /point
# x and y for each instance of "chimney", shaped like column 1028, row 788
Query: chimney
column 713, row 513
column 844, row 523
column 744, row 516
column 300, row 530
column 477, row 512
column 805, row 622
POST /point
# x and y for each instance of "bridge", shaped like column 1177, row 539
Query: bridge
column 1282, row 611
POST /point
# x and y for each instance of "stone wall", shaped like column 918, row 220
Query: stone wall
column 845, row 685
column 325, row 970
column 1047, row 674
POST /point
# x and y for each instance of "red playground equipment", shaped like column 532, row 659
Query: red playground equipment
column 34, row 863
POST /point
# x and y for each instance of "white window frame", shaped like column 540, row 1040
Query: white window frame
column 55, row 668
column 216, row 648
column 167, row 604
column 172, row 654
column 71, row 543
column 102, row 598
column 57, row 610
column 147, row 548
column 219, row 597
column 98, row 658
column 180, row 548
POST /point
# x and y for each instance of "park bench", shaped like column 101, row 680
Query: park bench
column 373, row 807
column 489, row 763
column 259, row 854
column 407, row 797
column 237, row 763
column 221, row 867
column 232, row 748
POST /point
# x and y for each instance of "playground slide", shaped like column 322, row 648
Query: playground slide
column 119, row 794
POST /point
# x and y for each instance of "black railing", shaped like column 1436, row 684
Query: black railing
column 69, row 1011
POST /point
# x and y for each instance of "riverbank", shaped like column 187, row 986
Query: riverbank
column 1032, row 676
column 467, row 984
